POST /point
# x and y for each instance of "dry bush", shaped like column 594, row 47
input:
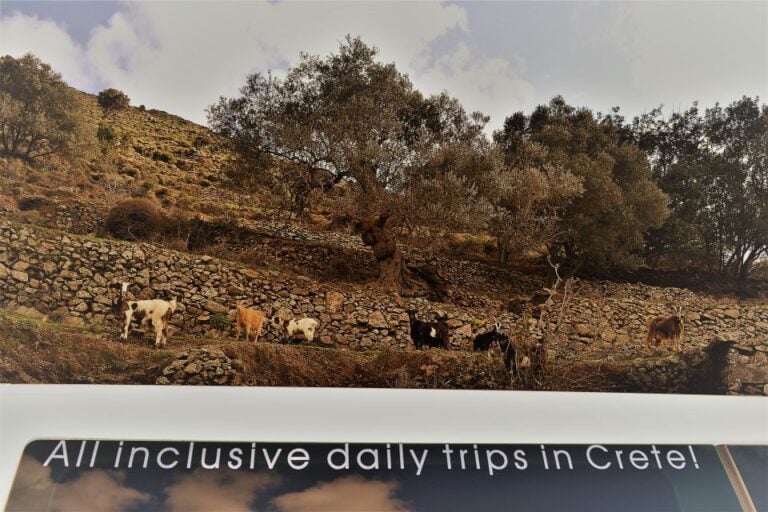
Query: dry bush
column 339, row 266
column 33, row 203
column 134, row 219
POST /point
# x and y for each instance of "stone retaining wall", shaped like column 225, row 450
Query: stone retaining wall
column 722, row 367
column 71, row 276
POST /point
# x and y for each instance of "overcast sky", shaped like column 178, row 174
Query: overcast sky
column 496, row 57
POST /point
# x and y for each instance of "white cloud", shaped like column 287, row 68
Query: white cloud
column 490, row 85
column 678, row 52
column 180, row 57
column 346, row 494
column 20, row 34
column 95, row 490
column 223, row 491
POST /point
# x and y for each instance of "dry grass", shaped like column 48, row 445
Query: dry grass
column 35, row 352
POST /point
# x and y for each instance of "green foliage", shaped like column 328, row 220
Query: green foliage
column 342, row 118
column 220, row 322
column 112, row 100
column 106, row 135
column 39, row 114
column 715, row 168
column 606, row 224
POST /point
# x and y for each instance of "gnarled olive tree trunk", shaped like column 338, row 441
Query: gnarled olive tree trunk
column 394, row 275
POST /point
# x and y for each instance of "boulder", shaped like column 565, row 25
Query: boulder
column 334, row 301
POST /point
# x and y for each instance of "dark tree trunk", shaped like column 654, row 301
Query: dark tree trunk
column 394, row 275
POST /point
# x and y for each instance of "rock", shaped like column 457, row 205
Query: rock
column 215, row 308
column 585, row 330
column 731, row 313
column 749, row 374
column 334, row 301
column 377, row 321
column 30, row 312
column 465, row 331
column 20, row 276
column 192, row 368
column 20, row 266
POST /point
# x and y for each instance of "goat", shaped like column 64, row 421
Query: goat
column 530, row 360
column 154, row 312
column 661, row 329
column 488, row 339
column 431, row 334
column 250, row 319
column 443, row 331
column 305, row 326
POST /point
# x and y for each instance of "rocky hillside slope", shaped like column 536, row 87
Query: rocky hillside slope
column 56, row 262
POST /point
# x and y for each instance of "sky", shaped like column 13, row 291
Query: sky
column 496, row 57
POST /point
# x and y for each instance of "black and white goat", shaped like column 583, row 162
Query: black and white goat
column 431, row 334
column 490, row 339
column 154, row 312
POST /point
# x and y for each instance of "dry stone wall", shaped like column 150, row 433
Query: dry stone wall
column 722, row 367
column 71, row 276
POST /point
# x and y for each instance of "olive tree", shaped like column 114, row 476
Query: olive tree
column 39, row 114
column 346, row 118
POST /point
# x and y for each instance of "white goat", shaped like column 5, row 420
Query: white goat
column 305, row 326
column 153, row 312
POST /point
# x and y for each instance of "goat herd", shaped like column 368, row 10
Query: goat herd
column 155, row 313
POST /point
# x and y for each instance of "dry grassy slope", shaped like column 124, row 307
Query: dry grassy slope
column 33, row 350
column 157, row 154
column 180, row 163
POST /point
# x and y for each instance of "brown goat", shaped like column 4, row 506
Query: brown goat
column 250, row 319
column 665, row 328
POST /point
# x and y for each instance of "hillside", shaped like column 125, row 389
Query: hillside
column 57, row 266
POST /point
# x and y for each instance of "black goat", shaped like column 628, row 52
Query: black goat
column 488, row 339
column 527, row 365
column 431, row 334
column 509, row 351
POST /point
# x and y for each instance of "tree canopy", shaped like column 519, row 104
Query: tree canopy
column 39, row 114
column 606, row 224
column 112, row 100
column 348, row 117
column 714, row 166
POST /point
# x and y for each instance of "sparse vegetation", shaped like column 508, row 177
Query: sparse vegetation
column 133, row 219
column 417, row 178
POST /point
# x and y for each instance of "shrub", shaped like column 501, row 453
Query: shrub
column 145, row 189
column 162, row 156
column 135, row 218
column 33, row 203
column 201, row 141
column 220, row 322
column 106, row 135
column 112, row 100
